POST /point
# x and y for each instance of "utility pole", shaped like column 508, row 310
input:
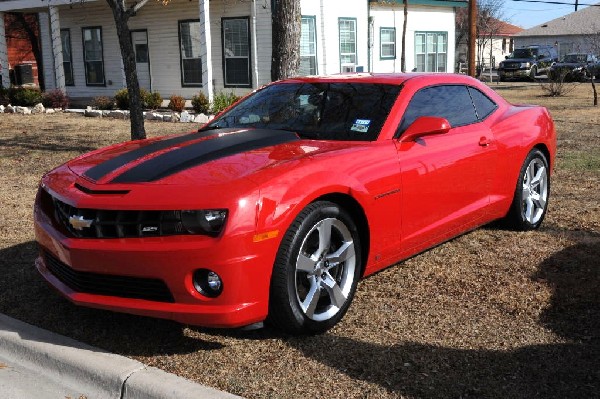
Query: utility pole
column 472, row 36
column 576, row 4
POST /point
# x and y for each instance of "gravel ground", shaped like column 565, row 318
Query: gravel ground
column 491, row 314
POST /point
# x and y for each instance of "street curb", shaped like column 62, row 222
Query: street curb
column 93, row 371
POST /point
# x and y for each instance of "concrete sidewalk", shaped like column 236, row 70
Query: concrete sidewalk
column 35, row 363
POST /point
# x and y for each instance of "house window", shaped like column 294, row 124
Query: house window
column 347, row 28
column 387, row 38
column 504, row 45
column 308, row 47
column 65, row 38
column 189, row 48
column 236, row 52
column 92, row 56
column 431, row 51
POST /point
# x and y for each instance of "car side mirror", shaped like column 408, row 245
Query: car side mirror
column 425, row 126
column 506, row 57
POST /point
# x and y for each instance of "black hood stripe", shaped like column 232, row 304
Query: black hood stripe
column 99, row 171
column 205, row 151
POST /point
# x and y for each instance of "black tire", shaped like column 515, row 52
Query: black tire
column 530, row 201
column 290, row 307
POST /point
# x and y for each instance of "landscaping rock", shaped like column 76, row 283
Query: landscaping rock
column 93, row 113
column 9, row 109
column 201, row 118
column 185, row 117
column 22, row 110
column 1, row 109
column 175, row 117
column 75, row 111
column 38, row 109
column 118, row 114
column 50, row 111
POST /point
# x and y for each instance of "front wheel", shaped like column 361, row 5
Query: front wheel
column 533, row 73
column 531, row 196
column 316, row 270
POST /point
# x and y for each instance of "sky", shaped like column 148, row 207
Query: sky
column 528, row 15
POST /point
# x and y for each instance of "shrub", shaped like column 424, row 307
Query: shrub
column 122, row 99
column 24, row 96
column 4, row 100
column 55, row 99
column 151, row 100
column 176, row 103
column 557, row 87
column 200, row 103
column 104, row 103
column 223, row 100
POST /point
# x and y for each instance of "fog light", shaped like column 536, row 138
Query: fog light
column 208, row 283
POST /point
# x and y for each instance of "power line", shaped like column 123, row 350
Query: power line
column 557, row 2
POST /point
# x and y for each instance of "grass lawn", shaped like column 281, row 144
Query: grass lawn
column 491, row 314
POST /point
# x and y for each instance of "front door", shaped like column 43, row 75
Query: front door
column 139, row 38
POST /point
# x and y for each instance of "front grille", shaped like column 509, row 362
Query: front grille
column 106, row 284
column 512, row 65
column 98, row 223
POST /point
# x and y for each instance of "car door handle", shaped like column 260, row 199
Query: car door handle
column 484, row 141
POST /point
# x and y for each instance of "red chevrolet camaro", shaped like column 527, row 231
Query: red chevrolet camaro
column 276, row 208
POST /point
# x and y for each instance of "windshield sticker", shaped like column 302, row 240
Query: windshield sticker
column 361, row 125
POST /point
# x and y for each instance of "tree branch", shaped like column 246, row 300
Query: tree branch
column 131, row 11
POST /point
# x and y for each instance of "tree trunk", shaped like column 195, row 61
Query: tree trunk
column 133, row 87
column 286, row 39
column 30, row 26
column 595, row 92
column 403, row 54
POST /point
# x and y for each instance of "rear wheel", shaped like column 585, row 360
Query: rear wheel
column 316, row 270
column 531, row 196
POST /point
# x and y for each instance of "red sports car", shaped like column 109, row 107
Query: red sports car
column 276, row 208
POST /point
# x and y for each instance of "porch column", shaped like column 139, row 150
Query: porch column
column 59, row 72
column 4, row 71
column 206, row 49
column 254, row 41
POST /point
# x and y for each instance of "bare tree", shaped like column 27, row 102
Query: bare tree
column 490, row 16
column 121, row 14
column 286, row 39
column 594, row 45
column 26, row 26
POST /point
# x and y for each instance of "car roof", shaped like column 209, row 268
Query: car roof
column 384, row 78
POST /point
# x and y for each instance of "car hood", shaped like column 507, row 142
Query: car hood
column 568, row 65
column 518, row 60
column 209, row 157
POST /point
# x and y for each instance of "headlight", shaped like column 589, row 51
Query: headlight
column 525, row 65
column 209, row 222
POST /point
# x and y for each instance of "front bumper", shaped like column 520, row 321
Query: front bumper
column 514, row 73
column 244, row 267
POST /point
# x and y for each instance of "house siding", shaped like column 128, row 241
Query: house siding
column 161, row 24
column 327, row 14
column 420, row 19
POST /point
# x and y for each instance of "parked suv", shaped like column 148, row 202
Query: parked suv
column 527, row 62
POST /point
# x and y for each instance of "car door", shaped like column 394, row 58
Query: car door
column 446, row 178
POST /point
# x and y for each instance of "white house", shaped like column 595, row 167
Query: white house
column 189, row 46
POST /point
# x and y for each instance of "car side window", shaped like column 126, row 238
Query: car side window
column 448, row 101
column 483, row 105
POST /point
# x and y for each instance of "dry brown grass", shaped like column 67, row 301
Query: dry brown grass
column 493, row 313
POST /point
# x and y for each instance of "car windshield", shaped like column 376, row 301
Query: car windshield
column 575, row 58
column 324, row 111
column 522, row 53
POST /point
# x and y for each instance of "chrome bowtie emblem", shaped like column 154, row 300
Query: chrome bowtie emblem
column 79, row 223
